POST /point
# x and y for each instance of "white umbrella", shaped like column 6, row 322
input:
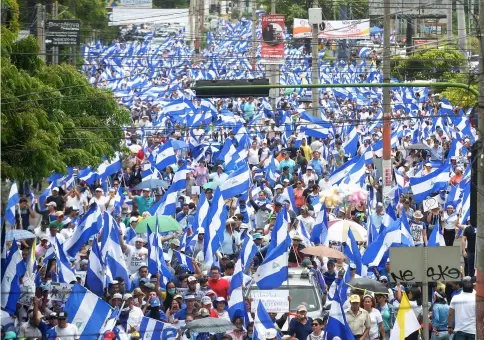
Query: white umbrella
column 338, row 230
column 135, row 148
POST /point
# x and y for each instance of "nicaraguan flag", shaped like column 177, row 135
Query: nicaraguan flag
column 218, row 216
column 236, row 302
column 262, row 323
column 87, row 227
column 153, row 250
column 320, row 228
column 436, row 238
column 337, row 326
column 163, row 157
column 237, row 183
column 353, row 252
column 248, row 251
column 151, row 329
column 14, row 269
column 66, row 274
column 280, row 231
column 389, row 237
column 13, row 199
column 87, row 312
column 274, row 269
column 423, row 186
column 186, row 260
column 95, row 271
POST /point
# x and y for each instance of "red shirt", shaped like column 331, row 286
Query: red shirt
column 220, row 287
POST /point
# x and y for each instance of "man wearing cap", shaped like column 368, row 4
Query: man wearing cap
column 455, row 180
column 295, row 255
column 262, row 207
column 63, row 330
column 189, row 309
column 309, row 175
column 192, row 289
column 136, row 254
column 358, row 319
column 99, row 199
column 34, row 327
column 142, row 203
column 300, row 326
column 450, row 219
column 207, row 303
column 418, row 229
column 56, row 198
column 135, row 313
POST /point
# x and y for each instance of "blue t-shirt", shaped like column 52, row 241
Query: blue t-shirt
column 301, row 331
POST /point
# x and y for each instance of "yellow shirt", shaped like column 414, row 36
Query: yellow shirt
column 307, row 151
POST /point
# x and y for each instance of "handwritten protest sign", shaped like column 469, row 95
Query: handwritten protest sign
column 274, row 301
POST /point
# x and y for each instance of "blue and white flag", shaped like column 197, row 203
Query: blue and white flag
column 423, row 186
column 108, row 168
column 112, row 253
column 280, row 231
column 14, row 269
column 163, row 157
column 271, row 172
column 390, row 237
column 274, row 269
column 66, row 273
column 87, row 227
column 320, row 228
column 237, row 183
column 236, row 302
column 218, row 216
column 95, row 271
column 337, row 327
column 151, row 329
column 353, row 252
column 186, row 260
column 201, row 214
column 262, row 323
column 436, row 238
column 153, row 250
column 13, row 199
column 248, row 251
column 87, row 312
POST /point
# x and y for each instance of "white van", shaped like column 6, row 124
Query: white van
column 303, row 289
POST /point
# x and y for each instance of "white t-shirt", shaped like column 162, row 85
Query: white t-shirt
column 450, row 221
column 253, row 156
column 376, row 319
column 68, row 333
column 464, row 305
column 135, row 257
column 28, row 331
column 73, row 202
column 101, row 202
column 135, row 316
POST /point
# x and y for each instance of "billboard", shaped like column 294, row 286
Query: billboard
column 129, row 3
column 63, row 32
column 301, row 28
column 125, row 16
column 272, row 39
column 345, row 29
column 333, row 29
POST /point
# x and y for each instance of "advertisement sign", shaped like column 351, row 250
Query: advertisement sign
column 272, row 39
column 333, row 29
column 63, row 32
column 345, row 29
column 301, row 28
column 129, row 3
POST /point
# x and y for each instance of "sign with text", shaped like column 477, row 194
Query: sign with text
column 274, row 301
column 272, row 39
column 345, row 29
column 407, row 264
column 301, row 28
column 63, row 32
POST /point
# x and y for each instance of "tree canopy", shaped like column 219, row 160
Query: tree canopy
column 51, row 116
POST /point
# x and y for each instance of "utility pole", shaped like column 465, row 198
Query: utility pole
column 449, row 19
column 315, row 64
column 273, row 70
column 55, row 49
column 196, row 5
column 40, row 25
column 479, row 256
column 387, row 108
column 191, row 24
column 254, row 37
column 461, row 27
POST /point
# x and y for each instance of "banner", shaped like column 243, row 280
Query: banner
column 345, row 29
column 301, row 29
column 333, row 29
column 272, row 39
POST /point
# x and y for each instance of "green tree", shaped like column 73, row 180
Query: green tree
column 427, row 64
column 51, row 117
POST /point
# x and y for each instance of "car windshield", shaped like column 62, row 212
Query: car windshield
column 300, row 295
